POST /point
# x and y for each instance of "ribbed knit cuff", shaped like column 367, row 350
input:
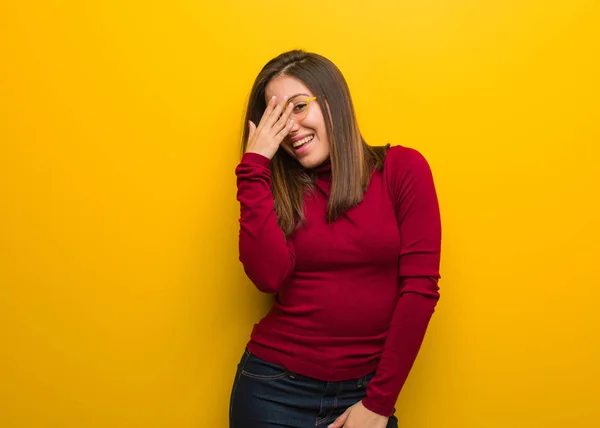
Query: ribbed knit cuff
column 256, row 158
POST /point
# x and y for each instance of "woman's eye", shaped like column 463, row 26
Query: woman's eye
column 299, row 107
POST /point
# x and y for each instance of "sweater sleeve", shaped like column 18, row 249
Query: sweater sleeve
column 413, row 193
column 267, row 256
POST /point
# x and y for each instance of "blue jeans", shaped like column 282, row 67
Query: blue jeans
column 265, row 395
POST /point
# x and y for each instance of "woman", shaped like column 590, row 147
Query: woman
column 347, row 237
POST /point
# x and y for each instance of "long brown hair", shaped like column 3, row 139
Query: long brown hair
column 352, row 159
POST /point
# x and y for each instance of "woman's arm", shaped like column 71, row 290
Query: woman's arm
column 413, row 192
column 267, row 256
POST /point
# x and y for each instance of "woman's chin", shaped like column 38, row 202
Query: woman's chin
column 308, row 160
column 309, row 163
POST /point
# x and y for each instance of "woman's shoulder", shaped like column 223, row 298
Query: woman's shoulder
column 407, row 172
column 401, row 159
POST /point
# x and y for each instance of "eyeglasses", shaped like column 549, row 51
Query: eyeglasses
column 300, row 109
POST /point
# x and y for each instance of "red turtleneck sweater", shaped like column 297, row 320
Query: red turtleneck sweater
column 352, row 296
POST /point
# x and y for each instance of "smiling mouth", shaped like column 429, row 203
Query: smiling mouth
column 296, row 145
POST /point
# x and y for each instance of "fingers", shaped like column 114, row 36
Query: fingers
column 339, row 422
column 275, row 114
column 267, row 113
column 270, row 107
column 286, row 129
column 274, row 126
column 283, row 120
column 251, row 129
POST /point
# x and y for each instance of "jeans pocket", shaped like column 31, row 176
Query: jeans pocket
column 258, row 368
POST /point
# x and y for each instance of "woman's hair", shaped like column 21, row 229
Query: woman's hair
column 352, row 160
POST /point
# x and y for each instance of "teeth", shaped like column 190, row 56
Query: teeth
column 303, row 141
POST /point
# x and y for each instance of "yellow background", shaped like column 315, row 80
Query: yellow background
column 122, row 302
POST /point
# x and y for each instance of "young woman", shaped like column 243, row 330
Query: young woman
column 347, row 237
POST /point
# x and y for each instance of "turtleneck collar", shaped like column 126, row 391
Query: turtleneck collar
column 323, row 171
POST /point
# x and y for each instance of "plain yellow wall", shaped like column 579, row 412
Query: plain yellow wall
column 122, row 302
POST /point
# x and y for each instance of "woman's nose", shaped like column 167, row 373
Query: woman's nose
column 295, row 128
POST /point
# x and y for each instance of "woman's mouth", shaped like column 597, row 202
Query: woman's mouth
column 297, row 145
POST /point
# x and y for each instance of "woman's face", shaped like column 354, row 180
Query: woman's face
column 307, row 141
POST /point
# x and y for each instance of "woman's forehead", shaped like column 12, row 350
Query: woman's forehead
column 286, row 86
